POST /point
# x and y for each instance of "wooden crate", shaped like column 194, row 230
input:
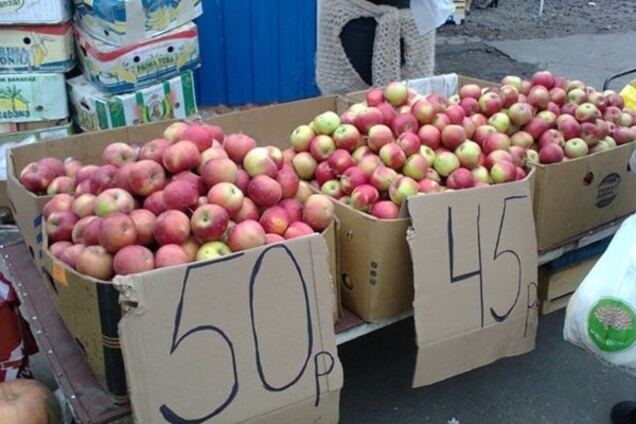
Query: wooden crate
column 556, row 286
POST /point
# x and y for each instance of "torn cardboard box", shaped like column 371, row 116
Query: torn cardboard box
column 475, row 275
column 123, row 22
column 32, row 97
column 121, row 69
column 14, row 12
column 94, row 110
column 37, row 48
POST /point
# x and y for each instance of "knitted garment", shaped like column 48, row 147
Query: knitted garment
column 334, row 71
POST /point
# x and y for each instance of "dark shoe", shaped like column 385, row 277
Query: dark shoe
column 624, row 413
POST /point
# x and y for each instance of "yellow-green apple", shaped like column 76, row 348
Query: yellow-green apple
column 587, row 112
column 78, row 233
column 172, row 227
column 440, row 121
column 577, row 96
column 324, row 172
column 503, row 172
column 536, row 127
column 520, row 113
column 625, row 119
column 331, row 188
column 500, row 121
column 181, row 156
column 359, row 153
column 539, row 97
column 497, row 156
column 228, row 196
column 513, row 80
column 509, row 95
column 133, row 259
column 297, row 229
column 218, row 171
column 144, row 221
column 246, row 235
column 275, row 220
column 242, row 180
column 301, row 137
column 174, row 131
column 84, row 173
column 460, row 178
column 468, row 154
column 610, row 141
column 58, row 203
column 490, row 103
column 212, row 250
column 533, row 156
column 288, row 180
column 392, row 156
column 482, row 133
column 118, row 154
column 199, row 136
column 402, row 188
column 116, row 231
column 191, row 247
column 379, row 135
column 340, row 160
column 549, row 118
column 56, row 165
column 114, row 200
column 385, row 209
column 388, row 113
column 170, row 255
column 382, row 178
column 209, row 222
column 480, row 173
column 367, row 118
column 212, row 153
column 304, row 191
column 550, row 153
column 59, row 225
column 452, row 136
column 403, row 123
column 445, row 163
column 543, row 78
column 430, row 136
column 154, row 203
column 259, row 162
column 363, row 196
column 575, row 148
column 180, row 195
column 146, row 177
column 375, row 96
column 428, row 153
column 551, row 136
column 423, row 111
column 58, row 248
column 276, row 155
column 416, row 167
column 293, row 208
column 264, row 191
column 345, row 200
column 95, row 262
column 346, row 137
column 103, row 178
column 321, row 147
column 601, row 146
column 396, row 93
column 326, row 123
column 519, row 156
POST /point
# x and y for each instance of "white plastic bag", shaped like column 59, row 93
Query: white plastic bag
column 601, row 315
column 430, row 14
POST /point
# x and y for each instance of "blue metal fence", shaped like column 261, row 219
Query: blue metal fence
column 257, row 51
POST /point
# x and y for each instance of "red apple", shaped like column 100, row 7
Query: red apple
column 59, row 225
column 496, row 141
column 275, row 220
column 219, row 170
column 379, row 135
column 264, row 191
column 246, row 235
column 490, row 103
column 116, row 231
column 56, row 165
column 144, row 222
column 209, row 222
column 509, row 95
column 214, row 152
column 339, row 161
column 95, row 262
column 543, row 78
column 114, row 200
column 181, row 156
column 118, row 154
column 146, row 177
column 423, row 111
column 470, row 91
column 587, row 112
column 228, row 196
column 352, row 178
column 324, row 173
column 288, row 181
column 428, row 186
column 248, row 210
column 154, row 203
column 551, row 136
column 497, row 156
column 58, row 248
column 293, row 208
column 174, row 132
column 440, row 121
column 259, row 162
column 59, row 203
column 363, row 196
column 297, row 229
column 519, row 156
column 171, row 255
column 154, row 150
column 453, row 136
column 346, row 137
column 383, row 177
column 551, row 153
column 375, row 96
column 180, row 195
column 536, row 127
column 403, row 123
column 503, row 172
column 368, row 164
column 460, row 178
column 539, row 96
column 385, row 209
column 103, row 178
column 133, row 259
column 172, row 227
column 416, row 167
column 199, row 136
column 392, row 156
column 367, row 118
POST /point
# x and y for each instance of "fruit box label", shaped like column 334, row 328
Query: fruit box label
column 34, row 11
column 32, row 97
column 116, row 70
column 252, row 330
column 121, row 22
column 92, row 110
column 475, row 275
column 37, row 48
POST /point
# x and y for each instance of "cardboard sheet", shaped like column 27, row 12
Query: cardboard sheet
column 475, row 276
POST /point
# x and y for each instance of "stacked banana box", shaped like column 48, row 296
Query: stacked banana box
column 36, row 50
column 137, row 59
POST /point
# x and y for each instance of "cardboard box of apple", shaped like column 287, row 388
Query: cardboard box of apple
column 195, row 194
column 398, row 143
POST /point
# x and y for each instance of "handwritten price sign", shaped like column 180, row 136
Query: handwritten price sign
column 475, row 267
column 246, row 338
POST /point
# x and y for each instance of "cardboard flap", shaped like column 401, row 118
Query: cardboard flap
column 233, row 339
column 475, row 272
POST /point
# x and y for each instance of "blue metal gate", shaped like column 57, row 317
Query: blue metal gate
column 257, row 51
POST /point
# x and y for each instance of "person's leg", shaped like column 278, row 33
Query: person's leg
column 624, row 413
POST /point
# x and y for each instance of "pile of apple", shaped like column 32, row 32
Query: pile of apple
column 194, row 194
column 398, row 143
